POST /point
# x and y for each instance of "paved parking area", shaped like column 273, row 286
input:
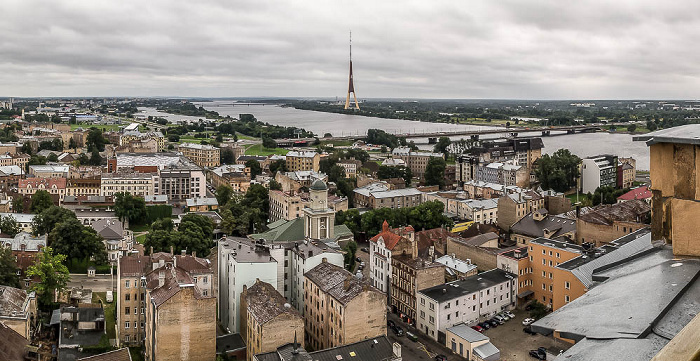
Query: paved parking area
column 515, row 344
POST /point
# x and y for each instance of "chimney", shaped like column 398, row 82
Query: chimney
column 171, row 250
column 385, row 226
column 174, row 262
column 324, row 260
column 431, row 253
column 151, row 253
column 183, row 252
column 194, row 253
column 161, row 278
column 578, row 210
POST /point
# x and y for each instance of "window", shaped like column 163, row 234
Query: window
column 544, row 252
column 422, row 314
column 422, row 301
column 204, row 280
column 557, row 254
column 127, row 310
column 544, row 274
column 127, row 297
column 566, row 298
column 567, row 285
column 126, row 283
column 431, row 306
column 126, row 324
column 431, row 319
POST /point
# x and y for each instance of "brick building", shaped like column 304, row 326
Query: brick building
column 409, row 275
column 606, row 223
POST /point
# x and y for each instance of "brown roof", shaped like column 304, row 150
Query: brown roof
column 265, row 303
column 433, row 237
column 477, row 229
column 416, row 263
column 193, row 264
column 480, row 239
column 337, row 282
column 391, row 236
column 117, row 355
column 634, row 210
column 134, row 265
column 13, row 346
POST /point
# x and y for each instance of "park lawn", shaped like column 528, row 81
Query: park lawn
column 246, row 137
column 141, row 238
column 258, row 150
column 139, row 227
column 109, row 308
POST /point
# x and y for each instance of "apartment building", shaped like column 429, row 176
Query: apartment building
column 545, row 255
column 25, row 248
column 485, row 190
column 598, row 171
column 541, row 224
column 409, row 275
column 129, row 136
column 466, row 301
column 385, row 245
column 18, row 310
column 294, row 181
column 201, row 154
column 414, row 160
column 140, row 311
column 378, row 195
column 351, row 167
column 478, row 210
column 83, row 187
column 118, row 240
column 182, row 182
column 340, row 309
column 55, row 186
column 138, row 184
column 286, row 206
column 267, row 320
column 608, row 222
column 235, row 175
column 17, row 159
column 303, row 161
column 49, row 171
column 514, row 206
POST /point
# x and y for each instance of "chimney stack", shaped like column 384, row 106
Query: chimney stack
column 151, row 253
column 183, row 252
column 171, row 250
column 194, row 253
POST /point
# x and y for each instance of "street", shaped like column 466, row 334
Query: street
column 99, row 283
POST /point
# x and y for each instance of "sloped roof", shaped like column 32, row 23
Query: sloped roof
column 528, row 226
column 392, row 236
column 13, row 346
column 337, row 282
column 265, row 303
column 637, row 193
column 12, row 301
column 629, row 211
column 283, row 231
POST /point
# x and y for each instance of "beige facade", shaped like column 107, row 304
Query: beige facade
column 340, row 309
column 303, row 160
column 409, row 275
column 55, row 186
column 286, row 206
column 18, row 310
column 202, row 155
column 13, row 158
column 79, row 187
column 607, row 223
column 138, row 184
column 320, row 220
column 267, row 320
column 513, row 207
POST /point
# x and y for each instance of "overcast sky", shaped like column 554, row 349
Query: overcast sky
column 619, row 49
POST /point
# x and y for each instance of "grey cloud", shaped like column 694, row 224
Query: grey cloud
column 448, row 49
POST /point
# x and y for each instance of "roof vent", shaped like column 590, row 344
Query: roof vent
column 287, row 305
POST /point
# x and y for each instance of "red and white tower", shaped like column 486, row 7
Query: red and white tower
column 351, row 85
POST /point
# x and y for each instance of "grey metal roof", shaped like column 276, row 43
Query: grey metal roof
column 615, row 349
column 375, row 349
column 584, row 265
column 449, row 291
column 467, row 333
column 487, row 352
column 684, row 134
column 633, row 301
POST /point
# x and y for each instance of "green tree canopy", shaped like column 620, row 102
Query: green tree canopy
column 52, row 272
column 558, row 171
column 279, row 165
column 223, row 194
column 9, row 226
column 254, row 166
column 227, row 156
column 8, row 268
column 95, row 140
column 435, row 172
column 45, row 221
column 41, row 200
column 128, row 207
column 442, row 145
column 76, row 241
column 193, row 235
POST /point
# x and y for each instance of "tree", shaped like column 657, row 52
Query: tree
column 40, row 200
column 53, row 274
column 72, row 144
column 442, row 145
column 268, row 142
column 52, row 157
column 558, row 171
column 95, row 158
column 8, row 268
column 223, row 194
column 651, row 125
column 350, row 251
column 327, row 135
column 128, row 207
column 336, row 172
column 95, row 140
column 76, row 241
column 9, row 226
column 435, row 172
column 631, row 128
column 275, row 185
column 45, row 221
column 254, row 166
column 27, row 148
column 279, row 165
column 18, row 204
column 227, row 156
column 163, row 224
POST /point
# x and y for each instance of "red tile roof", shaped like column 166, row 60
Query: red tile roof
column 391, row 236
column 43, row 183
column 637, row 193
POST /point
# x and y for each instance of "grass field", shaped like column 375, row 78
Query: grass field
column 141, row 238
column 258, row 150
column 110, row 317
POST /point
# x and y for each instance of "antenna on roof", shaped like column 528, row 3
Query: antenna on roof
column 294, row 346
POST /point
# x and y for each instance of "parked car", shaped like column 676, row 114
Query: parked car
column 537, row 355
column 411, row 337
column 498, row 321
column 360, row 267
column 440, row 358
column 358, row 259
column 528, row 330
column 390, row 323
column 478, row 328
column 364, row 249
column 500, row 318
column 493, row 323
column 528, row 321
column 510, row 314
column 542, row 350
column 397, row 330
column 485, row 325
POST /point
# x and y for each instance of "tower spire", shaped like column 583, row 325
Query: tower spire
column 351, row 85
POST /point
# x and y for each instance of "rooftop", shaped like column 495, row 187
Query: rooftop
column 197, row 146
column 13, row 346
column 469, row 285
column 373, row 349
column 265, row 303
column 337, row 282
column 684, row 134
column 465, row 332
column 456, row 264
column 634, row 210
column 121, row 354
column 637, row 193
column 13, row 302
column 558, row 226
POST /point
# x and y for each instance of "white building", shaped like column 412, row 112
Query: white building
column 467, row 301
column 598, row 171
column 381, row 248
column 478, row 210
column 138, row 184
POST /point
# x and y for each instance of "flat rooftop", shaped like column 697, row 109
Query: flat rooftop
column 684, row 134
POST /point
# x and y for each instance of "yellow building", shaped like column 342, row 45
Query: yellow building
column 267, row 320
column 339, row 308
column 303, row 160
column 202, row 155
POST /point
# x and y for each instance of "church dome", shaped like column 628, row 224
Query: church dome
column 318, row 185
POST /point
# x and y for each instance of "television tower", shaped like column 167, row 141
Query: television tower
column 351, row 86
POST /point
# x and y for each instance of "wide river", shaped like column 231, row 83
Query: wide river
column 583, row 145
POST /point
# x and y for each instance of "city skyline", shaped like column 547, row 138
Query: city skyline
column 587, row 50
